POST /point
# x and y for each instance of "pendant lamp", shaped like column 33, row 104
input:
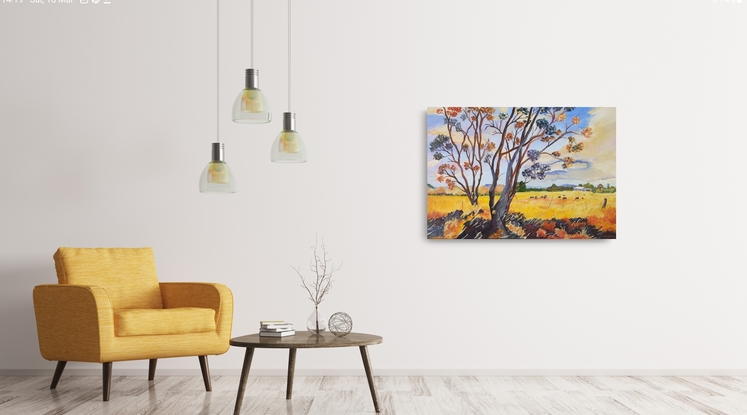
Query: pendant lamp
column 251, row 106
column 217, row 176
column 288, row 146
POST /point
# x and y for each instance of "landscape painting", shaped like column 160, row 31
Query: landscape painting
column 521, row 173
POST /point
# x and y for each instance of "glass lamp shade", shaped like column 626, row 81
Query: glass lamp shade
column 288, row 146
column 217, row 177
column 251, row 106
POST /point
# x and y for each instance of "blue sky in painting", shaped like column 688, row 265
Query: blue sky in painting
column 595, row 164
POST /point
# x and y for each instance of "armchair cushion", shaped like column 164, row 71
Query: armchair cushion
column 148, row 322
column 127, row 274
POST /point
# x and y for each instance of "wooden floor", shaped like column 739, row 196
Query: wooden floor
column 331, row 395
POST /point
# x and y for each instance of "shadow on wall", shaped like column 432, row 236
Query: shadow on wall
column 19, row 342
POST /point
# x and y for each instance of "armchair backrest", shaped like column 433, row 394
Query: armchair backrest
column 127, row 274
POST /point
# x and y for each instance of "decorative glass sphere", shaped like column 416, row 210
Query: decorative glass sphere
column 340, row 324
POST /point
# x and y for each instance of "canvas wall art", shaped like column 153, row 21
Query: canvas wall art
column 521, row 173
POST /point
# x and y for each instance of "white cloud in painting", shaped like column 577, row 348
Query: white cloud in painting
column 596, row 163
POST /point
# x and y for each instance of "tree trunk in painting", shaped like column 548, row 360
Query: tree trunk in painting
column 499, row 210
column 498, row 214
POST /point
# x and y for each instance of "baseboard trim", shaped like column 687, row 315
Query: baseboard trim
column 389, row 372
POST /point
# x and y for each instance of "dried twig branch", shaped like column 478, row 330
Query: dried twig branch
column 323, row 268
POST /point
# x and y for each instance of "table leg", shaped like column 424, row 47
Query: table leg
column 369, row 375
column 291, row 370
column 242, row 382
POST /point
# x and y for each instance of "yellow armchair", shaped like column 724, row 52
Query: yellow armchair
column 109, row 306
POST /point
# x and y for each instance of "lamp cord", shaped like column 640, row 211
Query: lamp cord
column 252, row 37
column 289, row 56
column 217, row 71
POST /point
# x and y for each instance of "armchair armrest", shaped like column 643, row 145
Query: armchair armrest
column 72, row 321
column 204, row 295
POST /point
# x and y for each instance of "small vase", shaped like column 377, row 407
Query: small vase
column 315, row 323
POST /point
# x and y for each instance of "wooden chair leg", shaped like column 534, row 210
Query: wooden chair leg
column 57, row 374
column 152, row 369
column 107, row 380
column 205, row 372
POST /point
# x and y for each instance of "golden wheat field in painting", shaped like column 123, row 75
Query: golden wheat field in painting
column 598, row 210
column 542, row 205
column 521, row 173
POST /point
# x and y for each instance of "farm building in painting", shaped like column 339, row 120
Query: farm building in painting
column 521, row 173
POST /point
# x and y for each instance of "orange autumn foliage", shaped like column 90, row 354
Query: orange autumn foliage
column 608, row 220
column 452, row 228
column 549, row 226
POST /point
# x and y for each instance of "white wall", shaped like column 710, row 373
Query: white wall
column 107, row 113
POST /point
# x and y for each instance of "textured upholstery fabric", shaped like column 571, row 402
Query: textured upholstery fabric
column 76, row 321
column 206, row 295
column 148, row 322
column 70, row 320
column 127, row 274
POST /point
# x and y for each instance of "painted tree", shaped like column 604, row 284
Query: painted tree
column 523, row 136
column 463, row 148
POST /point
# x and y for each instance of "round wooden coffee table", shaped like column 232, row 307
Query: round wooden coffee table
column 302, row 340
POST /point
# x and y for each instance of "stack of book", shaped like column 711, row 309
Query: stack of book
column 275, row 328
